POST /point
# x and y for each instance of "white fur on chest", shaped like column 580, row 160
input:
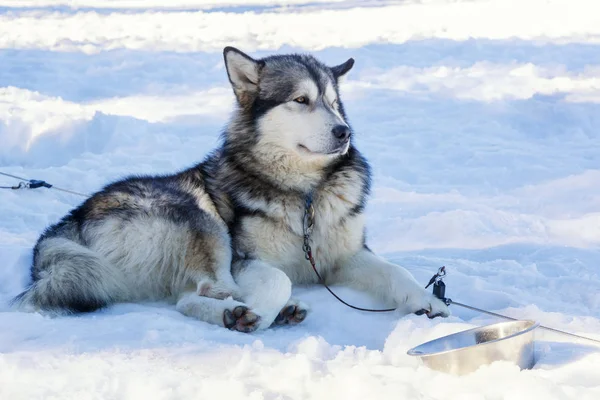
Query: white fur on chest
column 337, row 234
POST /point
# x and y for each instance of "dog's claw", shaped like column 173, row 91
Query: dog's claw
column 432, row 307
column 241, row 319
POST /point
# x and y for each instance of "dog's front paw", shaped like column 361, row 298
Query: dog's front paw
column 292, row 313
column 426, row 303
column 241, row 319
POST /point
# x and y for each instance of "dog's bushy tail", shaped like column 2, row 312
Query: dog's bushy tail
column 68, row 277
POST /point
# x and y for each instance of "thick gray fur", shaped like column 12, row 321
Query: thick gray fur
column 223, row 239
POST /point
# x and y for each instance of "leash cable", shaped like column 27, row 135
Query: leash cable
column 439, row 288
column 452, row 302
column 439, row 291
column 308, row 225
column 36, row 183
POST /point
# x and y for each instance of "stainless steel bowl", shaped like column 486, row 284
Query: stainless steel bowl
column 466, row 351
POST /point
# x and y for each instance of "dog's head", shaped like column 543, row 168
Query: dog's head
column 293, row 101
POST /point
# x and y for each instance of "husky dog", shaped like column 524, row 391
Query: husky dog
column 223, row 239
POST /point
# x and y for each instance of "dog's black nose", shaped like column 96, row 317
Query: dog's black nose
column 341, row 132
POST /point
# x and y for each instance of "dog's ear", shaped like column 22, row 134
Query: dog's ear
column 242, row 70
column 342, row 69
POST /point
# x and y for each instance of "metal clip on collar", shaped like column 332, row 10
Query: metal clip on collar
column 308, row 224
column 309, row 217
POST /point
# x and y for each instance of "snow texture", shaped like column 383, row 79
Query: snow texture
column 481, row 119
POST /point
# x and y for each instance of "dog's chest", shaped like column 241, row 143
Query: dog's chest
column 277, row 237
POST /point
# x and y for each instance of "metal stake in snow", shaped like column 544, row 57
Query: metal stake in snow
column 439, row 291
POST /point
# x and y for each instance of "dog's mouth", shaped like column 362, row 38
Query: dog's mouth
column 337, row 151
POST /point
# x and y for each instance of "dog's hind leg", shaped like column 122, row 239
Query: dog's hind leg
column 265, row 289
column 208, row 265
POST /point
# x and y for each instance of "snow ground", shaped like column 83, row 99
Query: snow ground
column 481, row 120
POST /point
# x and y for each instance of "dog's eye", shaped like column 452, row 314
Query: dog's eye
column 301, row 100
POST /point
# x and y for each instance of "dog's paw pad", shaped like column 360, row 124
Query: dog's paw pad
column 241, row 319
column 291, row 314
column 431, row 315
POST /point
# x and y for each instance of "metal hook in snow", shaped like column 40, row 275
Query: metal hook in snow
column 439, row 291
